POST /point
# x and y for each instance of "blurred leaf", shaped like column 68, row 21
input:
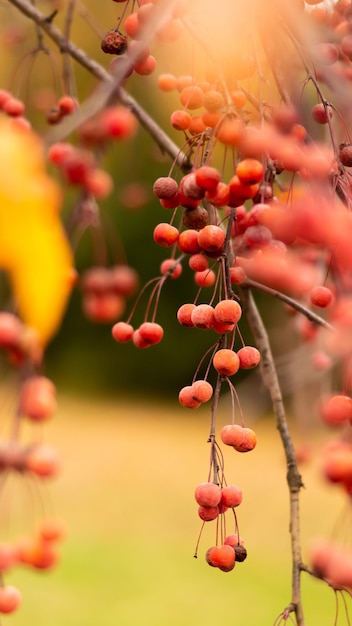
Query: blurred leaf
column 33, row 246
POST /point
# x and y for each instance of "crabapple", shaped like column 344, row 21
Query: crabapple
column 122, row 332
column 321, row 296
column 240, row 438
column 336, row 410
column 151, row 333
column 165, row 187
column 188, row 241
column 207, row 494
column 321, row 113
column 42, row 460
column 226, row 362
column 231, row 496
column 123, row 280
column 249, row 357
column 237, row 275
column 206, row 278
column 227, row 312
column 202, row 391
column 184, row 314
column 207, row 177
column 208, row 513
column 202, row 316
column 186, row 398
column 211, row 238
column 37, row 398
column 250, row 171
column 10, row 599
column 10, row 330
column 198, row 262
column 171, row 268
column 222, row 557
column 165, row 235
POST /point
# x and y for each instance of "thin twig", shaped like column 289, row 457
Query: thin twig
column 313, row 317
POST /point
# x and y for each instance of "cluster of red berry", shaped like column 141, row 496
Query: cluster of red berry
column 36, row 403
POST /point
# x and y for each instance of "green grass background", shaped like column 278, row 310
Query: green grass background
column 126, row 493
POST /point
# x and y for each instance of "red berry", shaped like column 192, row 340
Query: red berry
column 211, row 238
column 42, row 460
column 10, row 599
column 231, row 496
column 186, row 398
column 208, row 513
column 170, row 267
column 13, row 107
column 227, row 312
column 10, row 330
column 226, row 362
column 321, row 113
column 202, row 316
column 165, row 235
column 165, row 187
column 321, row 296
column 151, row 333
column 184, row 314
column 250, row 171
column 37, row 398
column 242, row 439
column 188, row 241
column 198, row 262
column 222, row 557
column 206, row 278
column 249, row 357
column 208, row 494
column 336, row 410
column 202, row 391
column 122, row 332
column 207, row 177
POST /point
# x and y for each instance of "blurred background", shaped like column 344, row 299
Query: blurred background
column 131, row 456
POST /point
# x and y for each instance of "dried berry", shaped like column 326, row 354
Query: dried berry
column 114, row 42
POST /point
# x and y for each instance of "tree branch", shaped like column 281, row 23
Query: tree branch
column 110, row 85
column 294, row 479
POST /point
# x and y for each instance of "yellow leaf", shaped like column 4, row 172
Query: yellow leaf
column 33, row 246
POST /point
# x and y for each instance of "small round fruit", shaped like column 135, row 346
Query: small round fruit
column 202, row 316
column 208, row 494
column 249, row 357
column 208, row 513
column 226, row 362
column 227, row 312
column 165, row 235
column 231, row 496
column 10, row 599
column 122, row 332
column 321, row 296
column 202, row 391
column 240, row 438
column 37, row 398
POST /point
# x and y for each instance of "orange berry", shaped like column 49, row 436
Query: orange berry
column 10, row 599
column 250, row 171
column 180, row 120
column 230, row 131
column 227, row 312
column 226, row 362
column 249, row 357
column 208, row 494
column 191, row 97
column 167, row 82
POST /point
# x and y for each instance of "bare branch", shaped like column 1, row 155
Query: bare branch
column 110, row 85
